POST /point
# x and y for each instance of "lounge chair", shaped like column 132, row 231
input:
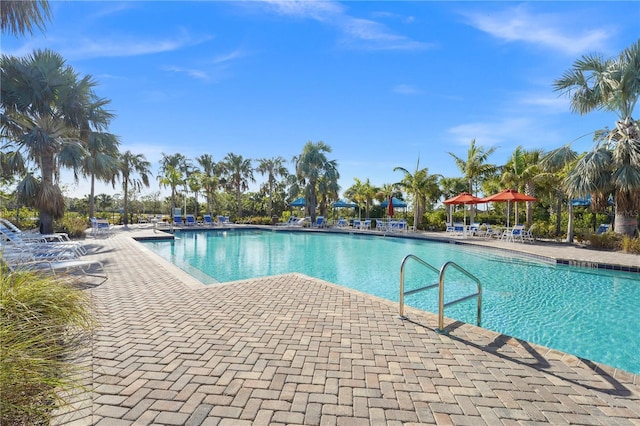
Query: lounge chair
column 223, row 220
column 191, row 220
column 474, row 228
column 366, row 224
column 301, row 222
column 26, row 235
column 459, row 228
column 177, row 220
column 92, row 268
column 14, row 241
column 381, row 225
column 290, row 222
column 604, row 227
column 207, row 220
column 342, row 223
column 320, row 222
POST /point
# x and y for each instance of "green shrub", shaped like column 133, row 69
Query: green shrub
column 43, row 322
column 72, row 224
column 631, row 245
column 605, row 241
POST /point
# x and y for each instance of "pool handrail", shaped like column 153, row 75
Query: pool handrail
column 440, row 285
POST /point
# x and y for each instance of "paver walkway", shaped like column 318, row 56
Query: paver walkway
column 296, row 350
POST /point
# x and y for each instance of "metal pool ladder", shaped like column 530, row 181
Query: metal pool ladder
column 440, row 285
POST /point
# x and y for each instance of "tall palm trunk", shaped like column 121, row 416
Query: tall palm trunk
column 125, row 189
column 570, row 223
column 239, row 200
column 92, row 202
column 626, row 217
column 46, row 218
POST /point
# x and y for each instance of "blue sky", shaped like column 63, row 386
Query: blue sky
column 382, row 83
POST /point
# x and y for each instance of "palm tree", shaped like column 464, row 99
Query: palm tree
column 171, row 177
column 356, row 193
column 520, row 173
column 556, row 165
column 130, row 166
column 209, row 178
column 194, row 182
column 100, row 161
column 104, row 201
column 19, row 17
column 613, row 167
column 311, row 166
column 239, row 173
column 272, row 167
column 475, row 167
column 46, row 106
column 422, row 187
column 173, row 172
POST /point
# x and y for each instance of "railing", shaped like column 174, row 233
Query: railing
column 442, row 305
column 402, row 292
column 440, row 285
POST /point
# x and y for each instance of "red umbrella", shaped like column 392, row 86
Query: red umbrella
column 508, row 195
column 391, row 212
column 464, row 198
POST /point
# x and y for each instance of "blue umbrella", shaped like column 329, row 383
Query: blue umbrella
column 298, row 202
column 397, row 203
column 582, row 202
column 342, row 203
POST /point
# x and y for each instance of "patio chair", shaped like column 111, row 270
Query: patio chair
column 381, row 225
column 459, row 228
column 177, row 220
column 100, row 227
column 207, row 220
column 320, row 222
column 527, row 235
column 191, row 220
column 342, row 223
column 515, row 234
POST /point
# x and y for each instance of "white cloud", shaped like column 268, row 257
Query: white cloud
column 492, row 133
column 356, row 33
column 198, row 74
column 113, row 46
column 519, row 24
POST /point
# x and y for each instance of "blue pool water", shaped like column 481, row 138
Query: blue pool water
column 586, row 312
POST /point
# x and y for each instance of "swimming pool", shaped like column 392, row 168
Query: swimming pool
column 586, row 312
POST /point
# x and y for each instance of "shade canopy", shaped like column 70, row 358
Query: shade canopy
column 342, row 203
column 464, row 198
column 396, row 203
column 298, row 202
column 508, row 195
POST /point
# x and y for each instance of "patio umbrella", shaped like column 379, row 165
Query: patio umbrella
column 342, row 203
column 464, row 199
column 508, row 195
column 298, row 202
column 396, row 203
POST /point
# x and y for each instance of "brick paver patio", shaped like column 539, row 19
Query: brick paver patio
column 296, row 350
